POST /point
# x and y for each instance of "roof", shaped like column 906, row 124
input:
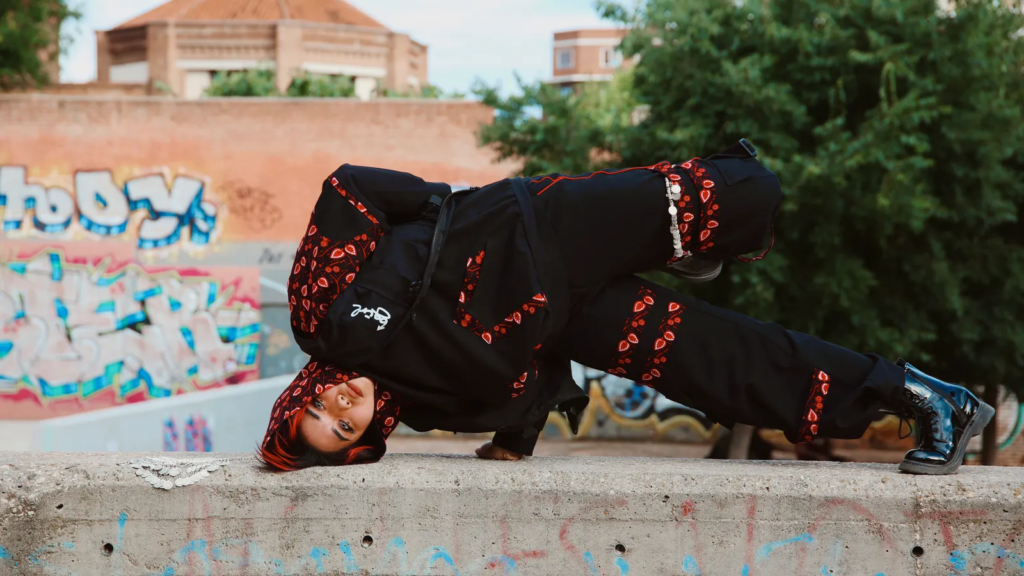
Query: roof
column 592, row 33
column 322, row 11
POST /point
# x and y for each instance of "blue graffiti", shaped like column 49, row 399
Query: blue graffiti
column 6, row 556
column 351, row 566
column 767, row 549
column 690, row 566
column 620, row 563
column 246, row 553
column 122, row 519
column 200, row 557
column 198, row 548
column 105, row 209
column 34, row 558
column 961, row 558
column 198, row 437
column 318, row 554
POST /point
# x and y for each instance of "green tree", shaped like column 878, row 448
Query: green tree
column 896, row 130
column 29, row 38
column 550, row 129
column 253, row 83
column 321, row 86
column 428, row 91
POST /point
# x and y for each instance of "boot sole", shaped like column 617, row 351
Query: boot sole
column 974, row 427
column 700, row 278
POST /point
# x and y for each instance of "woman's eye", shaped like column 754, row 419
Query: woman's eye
column 318, row 404
column 346, row 427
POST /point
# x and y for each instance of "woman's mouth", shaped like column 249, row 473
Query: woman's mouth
column 354, row 390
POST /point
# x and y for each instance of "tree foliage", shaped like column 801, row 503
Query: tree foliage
column 249, row 83
column 554, row 130
column 428, row 91
column 263, row 82
column 29, row 38
column 896, row 130
column 308, row 85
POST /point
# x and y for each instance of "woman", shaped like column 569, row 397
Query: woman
column 462, row 311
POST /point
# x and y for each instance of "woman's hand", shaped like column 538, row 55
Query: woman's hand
column 491, row 452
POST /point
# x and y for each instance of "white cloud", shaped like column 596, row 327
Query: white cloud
column 467, row 39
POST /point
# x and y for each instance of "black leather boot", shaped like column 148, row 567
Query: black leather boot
column 947, row 417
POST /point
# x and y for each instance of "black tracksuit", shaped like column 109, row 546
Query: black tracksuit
column 536, row 272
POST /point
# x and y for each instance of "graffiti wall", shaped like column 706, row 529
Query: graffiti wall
column 620, row 408
column 156, row 209
column 84, row 326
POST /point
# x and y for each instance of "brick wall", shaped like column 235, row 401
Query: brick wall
column 284, row 147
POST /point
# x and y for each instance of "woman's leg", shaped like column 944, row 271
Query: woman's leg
column 610, row 223
column 731, row 367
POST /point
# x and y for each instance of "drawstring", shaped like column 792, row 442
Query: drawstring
column 763, row 254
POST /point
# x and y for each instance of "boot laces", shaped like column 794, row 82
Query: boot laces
column 933, row 421
column 899, row 431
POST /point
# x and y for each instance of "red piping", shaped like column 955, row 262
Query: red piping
column 556, row 180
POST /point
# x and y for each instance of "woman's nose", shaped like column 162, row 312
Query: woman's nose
column 343, row 401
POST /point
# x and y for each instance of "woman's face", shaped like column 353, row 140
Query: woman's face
column 337, row 418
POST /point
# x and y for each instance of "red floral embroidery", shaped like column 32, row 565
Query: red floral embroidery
column 706, row 191
column 386, row 411
column 664, row 342
column 474, row 266
column 632, row 329
column 814, row 406
column 352, row 199
column 519, row 384
column 324, row 268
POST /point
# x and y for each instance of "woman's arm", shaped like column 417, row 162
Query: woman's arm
column 390, row 195
column 512, row 445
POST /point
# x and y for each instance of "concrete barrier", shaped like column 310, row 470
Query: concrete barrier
column 414, row 514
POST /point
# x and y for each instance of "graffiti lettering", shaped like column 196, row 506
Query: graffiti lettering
column 73, row 330
column 270, row 257
column 104, row 208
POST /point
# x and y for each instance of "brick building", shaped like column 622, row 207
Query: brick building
column 592, row 55
column 182, row 43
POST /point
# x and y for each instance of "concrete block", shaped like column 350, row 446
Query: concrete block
column 90, row 514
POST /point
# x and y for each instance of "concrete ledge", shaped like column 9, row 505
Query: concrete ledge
column 411, row 514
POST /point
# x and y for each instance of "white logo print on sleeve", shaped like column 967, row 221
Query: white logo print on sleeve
column 379, row 314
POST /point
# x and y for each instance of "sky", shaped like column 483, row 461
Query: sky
column 467, row 39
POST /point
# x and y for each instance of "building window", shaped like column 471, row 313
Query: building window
column 611, row 58
column 565, row 58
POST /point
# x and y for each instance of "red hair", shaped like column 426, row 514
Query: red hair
column 286, row 450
